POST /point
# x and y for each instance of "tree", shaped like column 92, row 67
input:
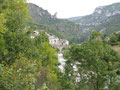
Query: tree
column 96, row 64
column 49, row 62
column 113, row 39
column 25, row 63
column 95, row 35
column 15, row 13
column 20, row 75
column 3, row 30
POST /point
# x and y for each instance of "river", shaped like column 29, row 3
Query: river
column 62, row 61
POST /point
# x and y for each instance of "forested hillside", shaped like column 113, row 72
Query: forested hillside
column 65, row 28
column 104, row 19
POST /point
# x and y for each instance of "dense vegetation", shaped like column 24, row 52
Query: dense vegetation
column 115, row 39
column 32, row 64
column 25, row 63
column 92, row 65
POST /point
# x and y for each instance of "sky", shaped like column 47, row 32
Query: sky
column 71, row 8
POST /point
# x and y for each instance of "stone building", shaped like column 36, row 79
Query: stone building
column 57, row 42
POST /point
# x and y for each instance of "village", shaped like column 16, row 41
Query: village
column 55, row 42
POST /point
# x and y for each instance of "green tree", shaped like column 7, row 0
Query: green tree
column 20, row 75
column 95, row 35
column 50, row 70
column 26, row 63
column 113, row 39
column 96, row 64
column 3, row 30
column 15, row 13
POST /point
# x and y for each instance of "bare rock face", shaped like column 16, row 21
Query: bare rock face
column 105, row 19
column 38, row 14
column 55, row 15
column 100, row 15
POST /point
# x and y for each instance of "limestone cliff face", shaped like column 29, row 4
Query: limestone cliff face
column 99, row 16
column 40, row 15
column 105, row 19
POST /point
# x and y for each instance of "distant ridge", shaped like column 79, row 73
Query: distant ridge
column 105, row 19
column 69, row 30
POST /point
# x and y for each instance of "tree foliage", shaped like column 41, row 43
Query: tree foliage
column 25, row 63
column 96, row 65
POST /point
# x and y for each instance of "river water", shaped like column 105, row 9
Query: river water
column 62, row 61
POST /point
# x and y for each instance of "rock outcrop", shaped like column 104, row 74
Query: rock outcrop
column 99, row 16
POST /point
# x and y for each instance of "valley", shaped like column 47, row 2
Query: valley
column 39, row 51
column 95, row 36
column 78, row 29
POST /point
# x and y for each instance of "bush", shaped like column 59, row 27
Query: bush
column 21, row 75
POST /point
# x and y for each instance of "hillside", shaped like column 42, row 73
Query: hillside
column 67, row 29
column 101, row 15
column 110, row 26
column 105, row 19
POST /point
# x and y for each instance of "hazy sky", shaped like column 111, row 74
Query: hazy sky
column 71, row 8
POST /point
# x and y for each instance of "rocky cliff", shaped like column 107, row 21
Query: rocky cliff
column 101, row 15
column 68, row 29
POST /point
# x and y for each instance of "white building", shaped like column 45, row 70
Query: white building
column 56, row 42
